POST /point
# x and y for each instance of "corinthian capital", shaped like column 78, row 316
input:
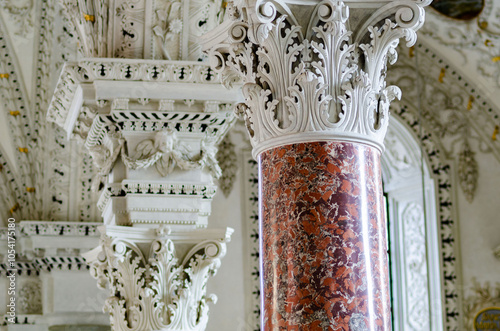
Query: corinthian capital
column 152, row 285
column 313, row 70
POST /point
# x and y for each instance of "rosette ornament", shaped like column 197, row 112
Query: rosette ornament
column 313, row 71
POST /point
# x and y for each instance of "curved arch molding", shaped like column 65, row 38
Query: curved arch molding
column 454, row 123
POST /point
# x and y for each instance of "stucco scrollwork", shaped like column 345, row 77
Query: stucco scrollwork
column 30, row 298
column 165, row 152
column 468, row 172
column 457, row 114
column 153, row 288
column 227, row 159
column 475, row 40
column 481, row 296
column 320, row 81
column 22, row 14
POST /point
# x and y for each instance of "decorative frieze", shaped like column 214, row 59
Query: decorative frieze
column 159, row 79
column 41, row 228
column 142, row 29
column 153, row 286
column 164, row 151
column 310, row 70
column 147, row 133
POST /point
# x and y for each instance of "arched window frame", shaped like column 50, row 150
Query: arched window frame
column 413, row 232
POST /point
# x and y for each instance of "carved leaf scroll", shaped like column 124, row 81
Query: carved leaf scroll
column 156, row 291
column 320, row 81
column 228, row 163
column 468, row 172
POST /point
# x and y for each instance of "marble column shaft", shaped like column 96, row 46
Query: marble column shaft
column 317, row 110
column 324, row 254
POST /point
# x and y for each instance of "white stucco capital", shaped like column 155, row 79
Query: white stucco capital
column 157, row 278
column 313, row 70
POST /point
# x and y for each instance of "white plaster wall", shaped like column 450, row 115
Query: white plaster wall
column 229, row 312
column 479, row 224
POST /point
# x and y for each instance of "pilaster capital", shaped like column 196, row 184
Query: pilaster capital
column 152, row 286
column 313, row 70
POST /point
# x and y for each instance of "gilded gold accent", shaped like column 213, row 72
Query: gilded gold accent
column 441, row 75
column 23, row 149
column 4, row 75
column 482, row 296
column 90, row 18
column 411, row 51
column 488, row 42
column 469, row 104
column 15, row 112
column 13, row 209
column 1, row 167
column 479, row 313
column 496, row 59
column 495, row 133
column 224, row 4
column 30, row 189
column 483, row 25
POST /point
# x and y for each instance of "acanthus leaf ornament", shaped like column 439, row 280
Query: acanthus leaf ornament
column 322, row 81
column 468, row 171
column 228, row 161
column 151, row 288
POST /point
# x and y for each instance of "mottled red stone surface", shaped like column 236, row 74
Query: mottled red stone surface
column 324, row 255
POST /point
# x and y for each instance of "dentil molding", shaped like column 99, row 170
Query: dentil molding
column 311, row 71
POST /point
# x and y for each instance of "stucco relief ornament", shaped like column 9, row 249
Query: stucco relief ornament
column 165, row 152
column 21, row 13
column 228, row 162
column 30, row 298
column 468, row 171
column 496, row 252
column 481, row 296
column 316, row 82
column 151, row 288
column 169, row 26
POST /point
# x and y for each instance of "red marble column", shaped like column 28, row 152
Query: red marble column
column 324, row 255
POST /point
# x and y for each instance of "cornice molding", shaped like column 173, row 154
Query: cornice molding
column 143, row 119
column 49, row 246
column 167, row 80
column 317, row 80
